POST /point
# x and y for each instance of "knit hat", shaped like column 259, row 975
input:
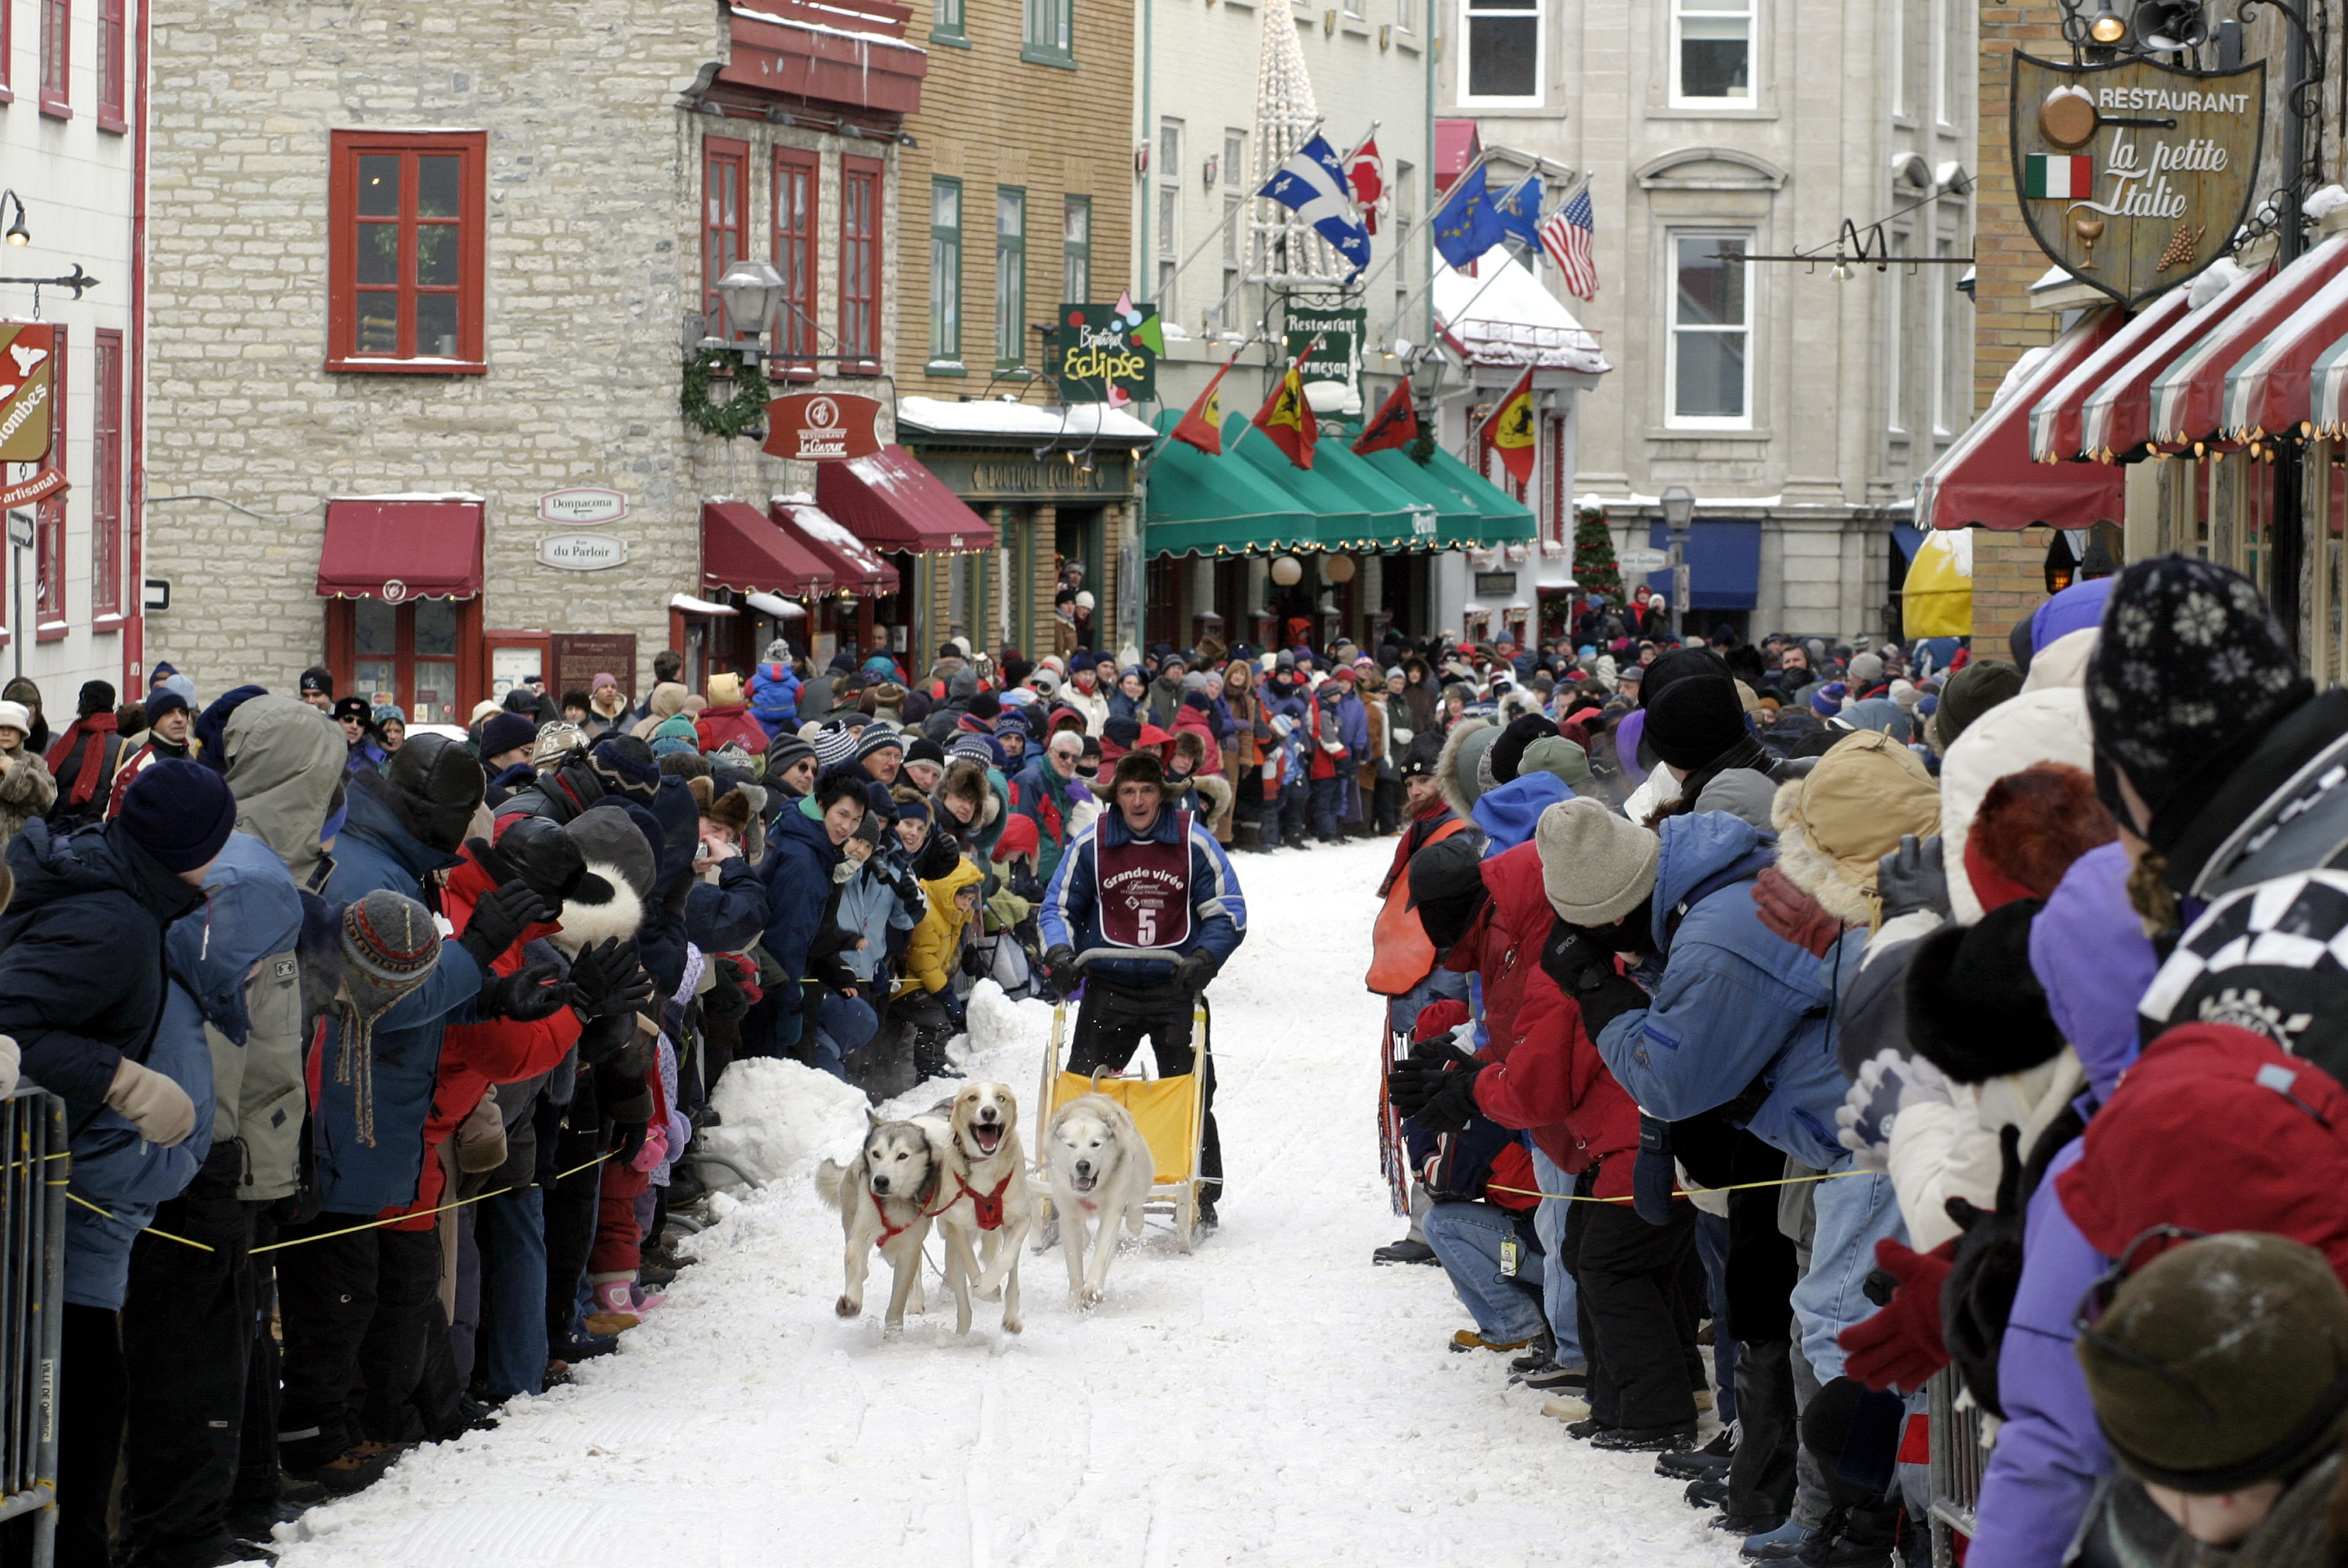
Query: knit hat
column 504, row 732
column 181, row 812
column 356, row 707
column 2190, row 673
column 924, row 750
column 1597, row 866
column 15, row 716
column 1970, row 693
column 97, row 696
column 1555, row 754
column 1694, row 719
column 1447, row 869
column 1974, row 1006
column 1419, row 756
column 319, row 679
column 2222, row 1364
column 835, row 744
column 390, row 945
column 1865, row 670
column 1669, row 669
column 159, row 701
column 2265, row 958
column 433, row 785
column 1506, row 757
column 725, row 690
column 626, row 765
column 556, row 740
column 985, row 750
column 784, row 751
column 877, row 739
column 1836, row 824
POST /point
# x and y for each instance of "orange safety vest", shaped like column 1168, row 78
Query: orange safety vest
column 1400, row 953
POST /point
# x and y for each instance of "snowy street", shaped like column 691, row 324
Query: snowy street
column 1273, row 1398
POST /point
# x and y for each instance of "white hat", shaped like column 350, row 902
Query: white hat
column 1084, row 600
column 15, row 716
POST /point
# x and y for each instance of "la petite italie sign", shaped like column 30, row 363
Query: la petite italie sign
column 2134, row 176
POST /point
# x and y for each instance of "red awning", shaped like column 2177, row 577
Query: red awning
column 398, row 549
column 2187, row 398
column 2057, row 418
column 2116, row 415
column 854, row 564
column 2268, row 389
column 890, row 501
column 742, row 550
column 1986, row 477
column 1457, row 146
column 849, row 52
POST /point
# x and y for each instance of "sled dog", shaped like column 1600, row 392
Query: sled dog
column 1101, row 1168
column 884, row 1196
column 982, row 1197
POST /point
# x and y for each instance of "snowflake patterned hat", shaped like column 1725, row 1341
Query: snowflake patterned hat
column 2190, row 672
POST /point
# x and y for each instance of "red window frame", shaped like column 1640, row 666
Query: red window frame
column 798, row 200
column 106, row 478
column 56, row 58
column 50, row 516
column 343, row 239
column 724, row 218
column 113, row 38
column 8, row 50
column 471, row 660
column 859, row 264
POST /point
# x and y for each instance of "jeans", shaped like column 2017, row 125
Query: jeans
column 1853, row 1214
column 1328, row 805
column 1560, row 1297
column 511, row 1348
column 1712, row 1246
column 1466, row 1240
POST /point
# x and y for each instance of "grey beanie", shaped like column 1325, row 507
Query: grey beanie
column 1596, row 866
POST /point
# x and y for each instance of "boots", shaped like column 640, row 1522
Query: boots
column 929, row 1041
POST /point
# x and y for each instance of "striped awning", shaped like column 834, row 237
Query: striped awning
column 2267, row 391
column 2328, row 392
column 2187, row 398
column 1986, row 477
column 2057, row 419
column 2115, row 417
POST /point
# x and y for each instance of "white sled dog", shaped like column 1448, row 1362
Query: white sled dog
column 982, row 1197
column 1101, row 1170
column 884, row 1196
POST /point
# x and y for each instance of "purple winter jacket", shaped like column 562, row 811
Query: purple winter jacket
column 2089, row 950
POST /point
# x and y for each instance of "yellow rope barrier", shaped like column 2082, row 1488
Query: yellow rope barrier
column 1737, row 1187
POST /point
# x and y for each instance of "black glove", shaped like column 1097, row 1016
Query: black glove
column 1912, row 878
column 499, row 919
column 1977, row 1297
column 1414, row 1083
column 630, row 1140
column 1194, row 971
column 975, row 964
column 725, row 1000
column 533, row 992
column 600, row 1039
column 609, row 981
column 1653, row 1177
column 1434, row 1055
column 1060, row 968
column 1583, row 969
column 1451, row 1105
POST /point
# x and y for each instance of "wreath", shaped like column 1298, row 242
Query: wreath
column 739, row 415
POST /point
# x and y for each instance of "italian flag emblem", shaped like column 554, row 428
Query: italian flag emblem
column 2055, row 175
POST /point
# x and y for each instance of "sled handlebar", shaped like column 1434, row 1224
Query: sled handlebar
column 1171, row 954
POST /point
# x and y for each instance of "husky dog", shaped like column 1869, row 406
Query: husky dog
column 884, row 1196
column 982, row 1193
column 1101, row 1170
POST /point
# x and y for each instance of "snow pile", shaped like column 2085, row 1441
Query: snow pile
column 778, row 1115
column 999, row 1025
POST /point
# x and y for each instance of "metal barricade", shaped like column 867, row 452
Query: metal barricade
column 1958, row 1460
column 32, row 1309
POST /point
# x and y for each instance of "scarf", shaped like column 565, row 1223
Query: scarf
column 88, row 734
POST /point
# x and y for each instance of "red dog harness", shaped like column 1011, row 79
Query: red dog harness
column 988, row 1205
column 888, row 1232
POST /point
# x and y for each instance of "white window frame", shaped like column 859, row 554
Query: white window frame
column 1751, row 12
column 1405, row 16
column 1949, row 25
column 1540, row 14
column 1896, row 30
column 1673, row 418
column 1172, row 144
column 1895, row 339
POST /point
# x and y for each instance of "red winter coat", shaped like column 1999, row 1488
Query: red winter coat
column 1546, row 1073
column 730, row 721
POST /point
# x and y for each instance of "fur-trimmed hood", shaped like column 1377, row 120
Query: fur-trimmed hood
column 1455, row 774
column 587, row 925
column 1835, row 824
column 1214, row 794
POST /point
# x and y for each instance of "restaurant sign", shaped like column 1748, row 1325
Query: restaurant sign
column 822, row 427
column 1331, row 341
column 2134, row 176
column 28, row 361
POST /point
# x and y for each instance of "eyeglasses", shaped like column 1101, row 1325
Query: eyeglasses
column 2098, row 1301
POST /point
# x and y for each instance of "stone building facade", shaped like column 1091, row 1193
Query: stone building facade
column 282, row 387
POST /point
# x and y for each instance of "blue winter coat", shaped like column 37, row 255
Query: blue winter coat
column 1507, row 814
column 1071, row 913
column 361, row 1175
column 81, row 957
column 1737, row 1003
column 869, row 906
column 798, row 875
column 249, row 913
column 775, row 697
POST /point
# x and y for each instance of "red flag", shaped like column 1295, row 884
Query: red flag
column 1286, row 418
column 1512, row 432
column 1366, row 172
column 1202, row 423
column 1396, row 424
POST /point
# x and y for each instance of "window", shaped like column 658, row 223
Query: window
column 111, row 42
column 859, row 264
column 1712, row 52
column 1076, row 249
column 724, row 174
column 1504, row 49
column 1895, row 343
column 1407, row 14
column 1895, row 41
column 405, row 654
column 1956, row 49
column 106, row 480
column 1045, row 36
column 56, row 57
column 946, row 26
column 1170, row 211
column 1234, row 170
column 404, row 252
column 1710, row 371
column 796, row 178
column 946, row 272
column 49, row 515
column 1010, row 275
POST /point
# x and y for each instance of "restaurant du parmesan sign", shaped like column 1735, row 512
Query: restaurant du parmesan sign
column 2134, row 176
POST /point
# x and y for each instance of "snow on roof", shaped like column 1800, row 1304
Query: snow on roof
column 863, row 35
column 1504, row 316
column 466, row 496
column 820, row 524
column 995, row 417
column 693, row 606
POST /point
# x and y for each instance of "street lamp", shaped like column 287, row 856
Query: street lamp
column 19, row 234
column 2109, row 27
column 1678, row 504
column 749, row 295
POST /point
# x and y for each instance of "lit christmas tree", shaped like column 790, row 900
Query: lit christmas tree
column 1593, row 554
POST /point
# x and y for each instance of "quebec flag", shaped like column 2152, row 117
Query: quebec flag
column 1313, row 185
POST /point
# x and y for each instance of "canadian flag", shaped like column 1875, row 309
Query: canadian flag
column 1366, row 172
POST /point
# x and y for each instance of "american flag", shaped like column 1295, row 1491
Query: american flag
column 1566, row 237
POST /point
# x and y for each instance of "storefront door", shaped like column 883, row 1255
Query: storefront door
column 409, row 655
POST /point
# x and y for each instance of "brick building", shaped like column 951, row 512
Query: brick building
column 424, row 278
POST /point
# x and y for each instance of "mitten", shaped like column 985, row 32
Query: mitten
column 1902, row 1345
column 159, row 1108
column 500, row 917
column 1912, row 878
column 1887, row 1084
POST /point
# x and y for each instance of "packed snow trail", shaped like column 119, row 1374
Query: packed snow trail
column 1271, row 1399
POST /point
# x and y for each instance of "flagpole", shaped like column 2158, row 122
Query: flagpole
column 1233, row 210
column 1538, row 165
column 1432, row 212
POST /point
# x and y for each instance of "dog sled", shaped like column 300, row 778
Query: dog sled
column 1169, row 1109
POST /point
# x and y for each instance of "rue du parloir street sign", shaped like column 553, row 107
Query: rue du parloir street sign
column 2134, row 176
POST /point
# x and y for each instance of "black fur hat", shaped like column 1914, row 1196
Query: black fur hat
column 1419, row 758
column 1507, row 753
column 1976, row 1010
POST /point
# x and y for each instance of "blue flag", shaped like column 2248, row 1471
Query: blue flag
column 1519, row 210
column 1313, row 184
column 1466, row 226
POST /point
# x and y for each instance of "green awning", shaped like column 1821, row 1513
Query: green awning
column 1399, row 518
column 1505, row 519
column 1205, row 504
column 1456, row 520
column 1337, row 511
